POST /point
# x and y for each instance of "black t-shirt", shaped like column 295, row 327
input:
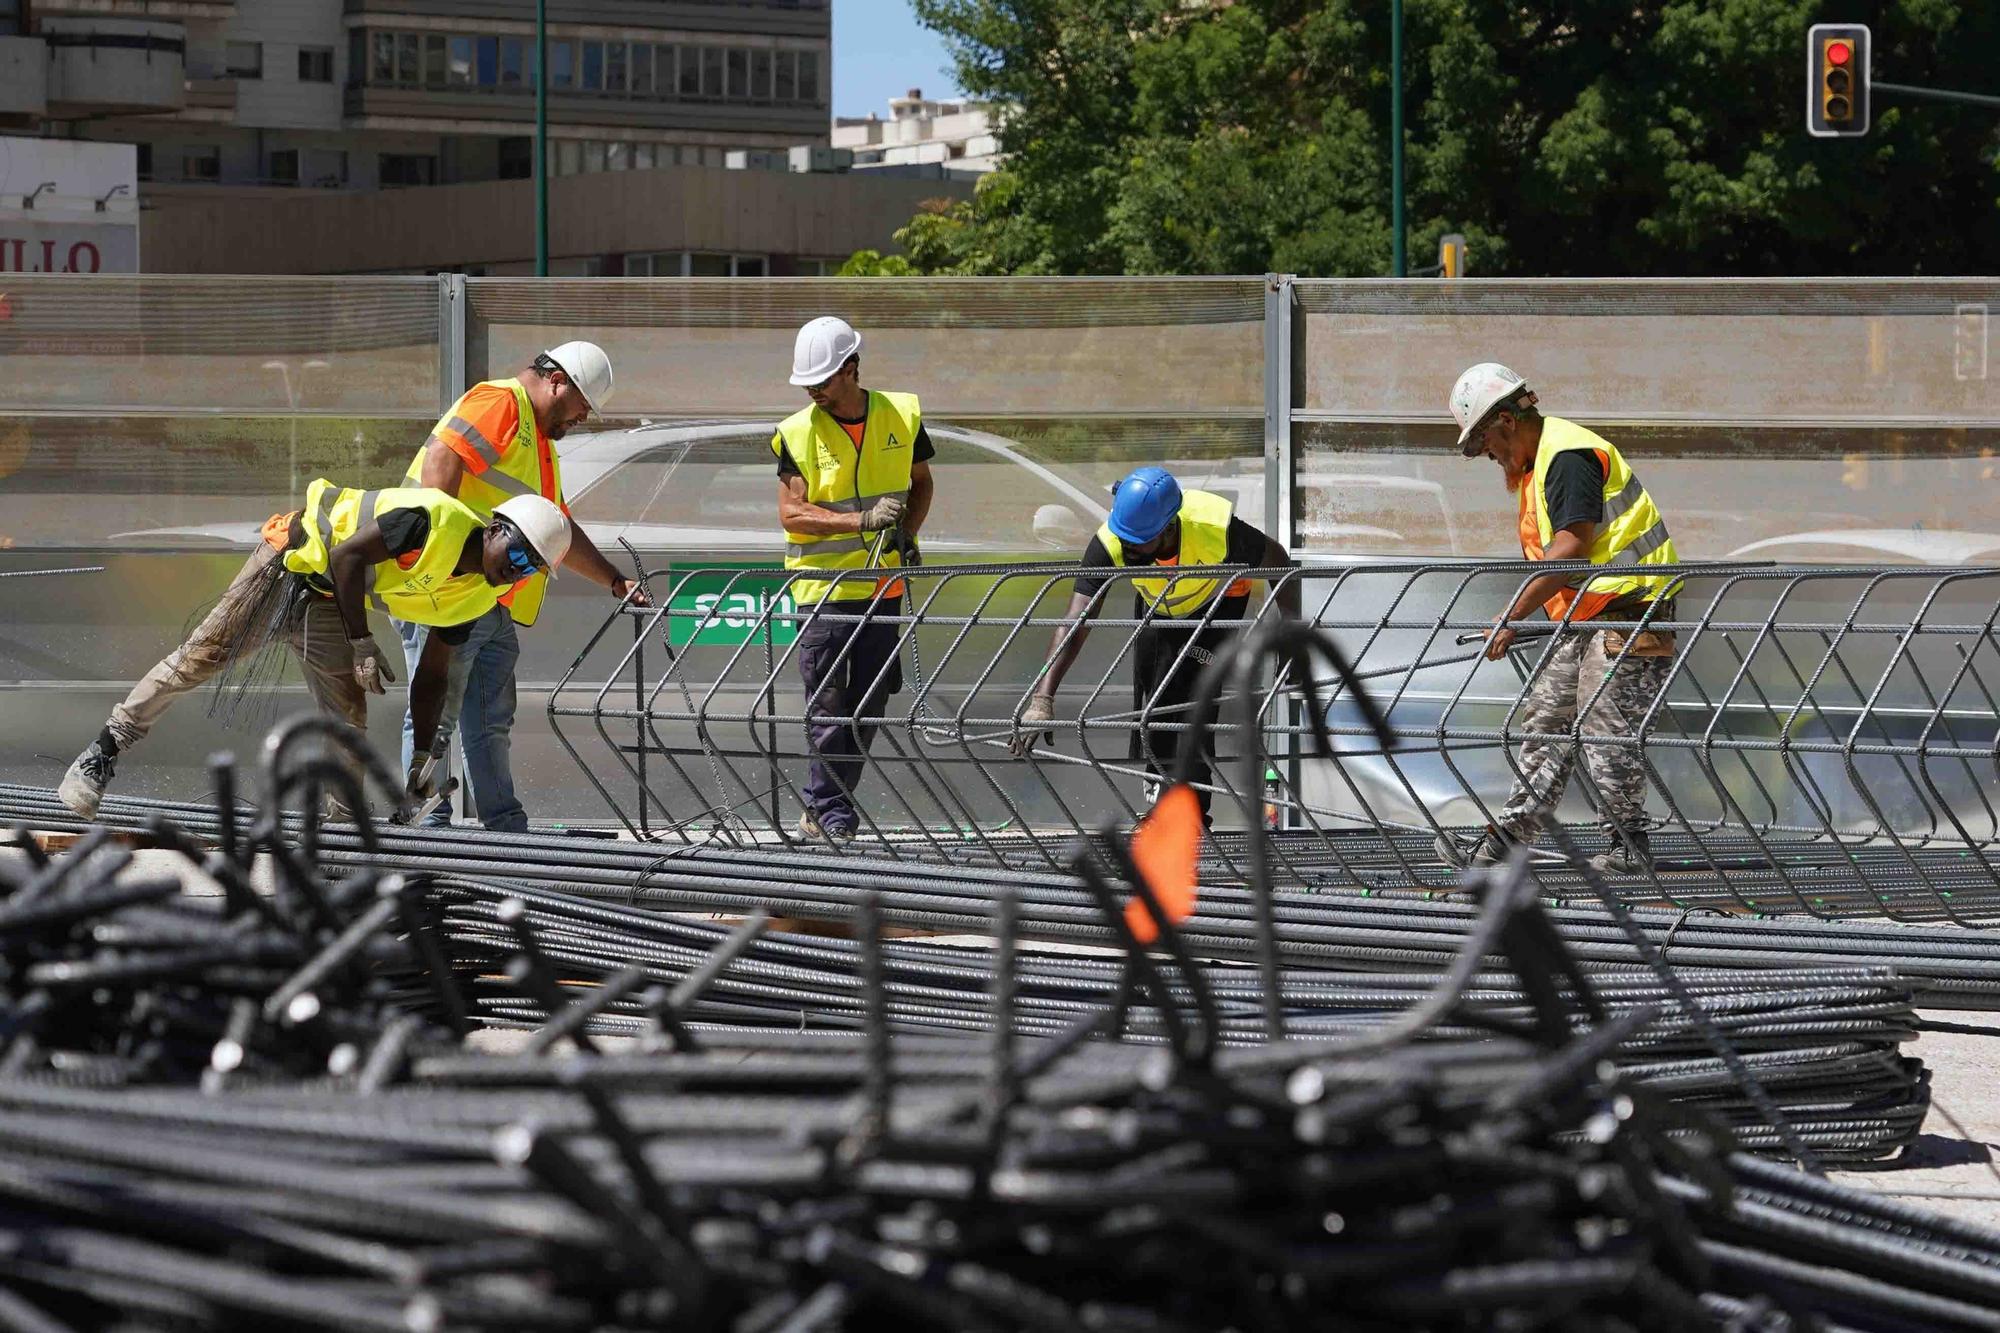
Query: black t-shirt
column 920, row 452
column 1573, row 489
column 1245, row 547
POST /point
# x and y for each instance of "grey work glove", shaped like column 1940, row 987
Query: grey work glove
column 886, row 512
column 1040, row 710
column 371, row 668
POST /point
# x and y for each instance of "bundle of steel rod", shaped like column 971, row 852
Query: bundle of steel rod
column 1141, row 1165
column 1827, row 740
column 1949, row 967
column 1824, row 1043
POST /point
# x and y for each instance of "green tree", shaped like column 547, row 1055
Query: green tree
column 1585, row 137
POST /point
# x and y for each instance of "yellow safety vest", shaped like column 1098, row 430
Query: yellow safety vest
column 425, row 591
column 1632, row 533
column 848, row 480
column 524, row 464
column 1204, row 541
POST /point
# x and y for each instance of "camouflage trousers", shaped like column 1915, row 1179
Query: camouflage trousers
column 1573, row 679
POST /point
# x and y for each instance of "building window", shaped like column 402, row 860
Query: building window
column 394, row 169
column 409, row 46
column 787, row 77
column 201, row 164
column 332, row 167
column 593, row 67
column 614, row 69
column 618, row 157
column 760, row 76
column 568, row 157
column 458, row 72
column 243, row 60
column 489, row 62
column 593, row 155
column 749, row 266
column 711, row 71
column 562, row 65
column 642, row 157
column 809, row 77
column 284, row 168
column 642, row 69
column 517, row 158
column 739, row 75
column 436, row 60
column 315, row 64
column 382, row 58
column 145, row 161
column 690, row 71
column 510, row 62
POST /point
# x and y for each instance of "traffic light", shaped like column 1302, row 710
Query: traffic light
column 1837, row 80
column 1451, row 255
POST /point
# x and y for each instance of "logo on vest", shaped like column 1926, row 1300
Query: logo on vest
column 893, row 443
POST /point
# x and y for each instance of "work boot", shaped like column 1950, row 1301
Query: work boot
column 1488, row 848
column 811, row 830
column 1631, row 854
column 82, row 788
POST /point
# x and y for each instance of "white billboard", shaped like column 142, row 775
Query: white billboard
column 68, row 206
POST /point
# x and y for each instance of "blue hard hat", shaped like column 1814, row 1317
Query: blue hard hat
column 1143, row 504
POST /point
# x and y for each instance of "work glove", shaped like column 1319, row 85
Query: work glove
column 907, row 548
column 886, row 512
column 421, row 787
column 371, row 668
column 1040, row 710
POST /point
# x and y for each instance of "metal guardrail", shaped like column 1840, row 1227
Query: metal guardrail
column 1827, row 739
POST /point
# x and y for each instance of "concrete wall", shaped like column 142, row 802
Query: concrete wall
column 24, row 76
column 279, row 99
column 680, row 208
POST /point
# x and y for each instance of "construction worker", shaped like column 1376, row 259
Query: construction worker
column 854, row 486
column 1579, row 500
column 497, row 441
column 1153, row 522
column 425, row 557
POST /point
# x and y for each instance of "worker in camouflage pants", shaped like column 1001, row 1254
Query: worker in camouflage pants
column 1584, row 674
column 1580, row 502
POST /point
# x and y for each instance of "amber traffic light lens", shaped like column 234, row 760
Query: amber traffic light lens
column 1838, row 81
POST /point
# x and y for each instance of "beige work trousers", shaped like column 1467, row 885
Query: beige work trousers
column 318, row 641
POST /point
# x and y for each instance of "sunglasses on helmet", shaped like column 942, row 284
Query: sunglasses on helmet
column 521, row 556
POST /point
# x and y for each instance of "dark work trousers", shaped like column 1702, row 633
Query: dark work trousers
column 850, row 666
column 1164, row 680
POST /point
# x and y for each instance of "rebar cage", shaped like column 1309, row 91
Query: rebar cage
column 1827, row 739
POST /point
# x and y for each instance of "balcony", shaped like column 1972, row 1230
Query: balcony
column 217, row 96
column 24, row 76
column 781, row 18
column 379, row 105
column 114, row 65
column 137, row 9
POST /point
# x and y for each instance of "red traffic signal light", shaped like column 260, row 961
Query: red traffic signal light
column 1837, row 80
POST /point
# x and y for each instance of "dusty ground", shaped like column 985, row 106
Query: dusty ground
column 1954, row 1166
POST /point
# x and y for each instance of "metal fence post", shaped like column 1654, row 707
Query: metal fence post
column 1279, row 465
column 1278, row 301
column 451, row 338
column 451, row 383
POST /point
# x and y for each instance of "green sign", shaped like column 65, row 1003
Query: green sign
column 725, row 610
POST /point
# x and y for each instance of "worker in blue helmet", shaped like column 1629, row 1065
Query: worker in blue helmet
column 1155, row 524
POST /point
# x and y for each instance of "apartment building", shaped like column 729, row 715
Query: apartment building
column 368, row 94
column 955, row 138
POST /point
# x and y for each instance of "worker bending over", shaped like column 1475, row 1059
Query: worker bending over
column 497, row 441
column 1154, row 523
column 854, row 487
column 1579, row 500
column 427, row 558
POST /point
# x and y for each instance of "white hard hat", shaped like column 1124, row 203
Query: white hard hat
column 588, row 368
column 823, row 347
column 1478, row 391
column 545, row 526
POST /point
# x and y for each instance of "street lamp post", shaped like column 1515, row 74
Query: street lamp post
column 292, row 396
column 1399, row 259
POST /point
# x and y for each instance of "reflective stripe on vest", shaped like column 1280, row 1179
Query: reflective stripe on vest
column 427, row 592
column 1632, row 533
column 525, row 463
column 1204, row 519
column 847, row 480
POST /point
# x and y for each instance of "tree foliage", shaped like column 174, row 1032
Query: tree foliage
column 1563, row 137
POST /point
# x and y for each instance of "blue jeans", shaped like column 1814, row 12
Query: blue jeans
column 479, row 699
column 851, row 665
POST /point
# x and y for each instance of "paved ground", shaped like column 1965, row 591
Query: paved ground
column 1954, row 1166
